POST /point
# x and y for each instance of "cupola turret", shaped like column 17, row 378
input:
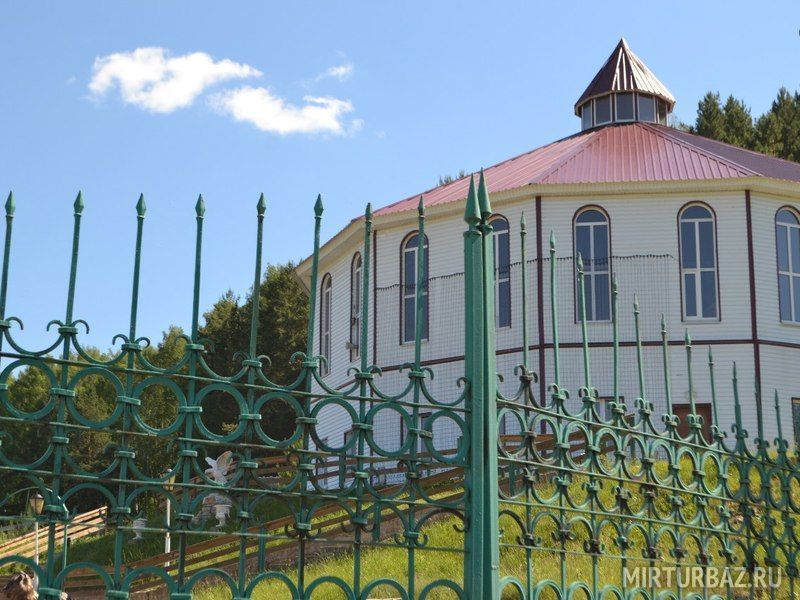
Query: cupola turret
column 624, row 90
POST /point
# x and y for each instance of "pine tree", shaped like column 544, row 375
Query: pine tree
column 778, row 130
column 710, row 121
column 738, row 128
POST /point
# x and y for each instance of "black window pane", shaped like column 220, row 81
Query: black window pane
column 796, row 293
column 504, row 304
column 602, row 301
column 706, row 243
column 794, row 248
column 408, row 319
column 696, row 212
column 600, row 254
column 662, row 112
column 582, row 242
column 586, row 115
column 690, row 295
column 409, row 270
column 785, row 291
column 624, row 107
column 647, row 110
column 708, row 282
column 503, row 253
column 688, row 248
column 781, row 240
column 591, row 216
column 602, row 110
column 786, row 216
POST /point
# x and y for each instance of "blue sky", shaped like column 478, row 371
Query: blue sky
column 359, row 101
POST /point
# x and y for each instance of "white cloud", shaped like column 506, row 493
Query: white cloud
column 340, row 72
column 267, row 112
column 153, row 80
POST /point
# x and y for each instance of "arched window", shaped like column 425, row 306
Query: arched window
column 502, row 272
column 355, row 306
column 408, row 287
column 698, row 263
column 592, row 242
column 325, row 324
column 787, row 242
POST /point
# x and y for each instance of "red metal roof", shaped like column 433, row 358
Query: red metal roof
column 625, row 72
column 615, row 154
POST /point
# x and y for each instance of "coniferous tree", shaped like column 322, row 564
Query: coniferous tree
column 778, row 130
column 738, row 127
column 710, row 121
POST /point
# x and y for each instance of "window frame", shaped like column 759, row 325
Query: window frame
column 793, row 275
column 611, row 107
column 497, row 277
column 588, row 105
column 404, row 297
column 655, row 108
column 355, row 305
column 698, row 270
column 609, row 271
column 325, row 310
column 634, row 106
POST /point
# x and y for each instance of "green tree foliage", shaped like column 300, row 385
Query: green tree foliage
column 710, row 121
column 281, row 332
column 283, row 306
column 738, row 128
column 776, row 132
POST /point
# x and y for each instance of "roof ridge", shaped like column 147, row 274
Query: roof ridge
column 666, row 133
column 735, row 147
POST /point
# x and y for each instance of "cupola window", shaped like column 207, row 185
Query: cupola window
column 625, row 107
column 647, row 109
column 586, row 115
column 623, row 91
column 602, row 110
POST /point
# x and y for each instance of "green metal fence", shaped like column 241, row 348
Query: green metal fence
column 574, row 505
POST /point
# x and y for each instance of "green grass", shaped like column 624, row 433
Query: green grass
column 383, row 562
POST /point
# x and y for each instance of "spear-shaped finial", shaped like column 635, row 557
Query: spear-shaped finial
column 665, row 363
column 368, row 212
column 713, row 386
column 737, row 407
column 200, row 206
column 552, row 241
column 318, row 208
column 10, row 205
column 483, row 198
column 261, row 207
column 522, row 224
column 472, row 213
column 78, row 205
column 421, row 207
column 687, row 340
column 778, row 416
column 580, row 263
column 141, row 207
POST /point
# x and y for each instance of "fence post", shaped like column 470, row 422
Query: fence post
column 482, row 558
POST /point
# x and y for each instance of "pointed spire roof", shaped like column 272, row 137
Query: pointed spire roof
column 624, row 72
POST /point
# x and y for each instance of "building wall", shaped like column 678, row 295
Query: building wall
column 644, row 242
